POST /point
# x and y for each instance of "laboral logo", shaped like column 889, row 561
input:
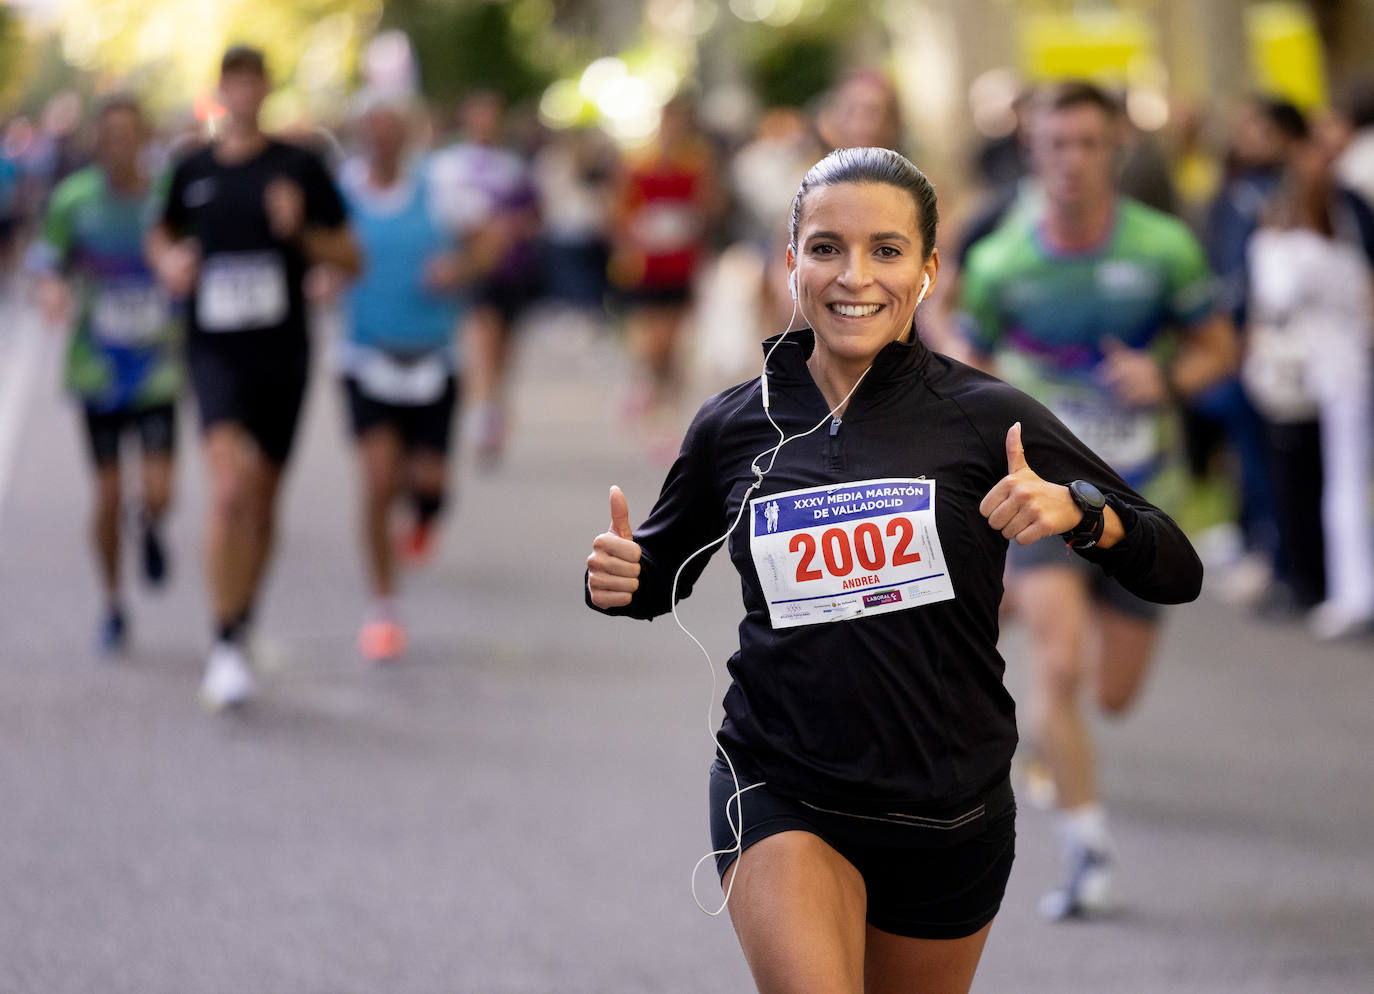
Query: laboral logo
column 882, row 597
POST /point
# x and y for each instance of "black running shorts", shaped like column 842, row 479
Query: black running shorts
column 632, row 298
column 511, row 298
column 941, row 876
column 427, row 427
column 156, row 428
column 253, row 382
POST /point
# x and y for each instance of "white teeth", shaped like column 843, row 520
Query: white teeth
column 855, row 310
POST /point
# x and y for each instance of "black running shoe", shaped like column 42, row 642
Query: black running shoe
column 113, row 634
column 154, row 557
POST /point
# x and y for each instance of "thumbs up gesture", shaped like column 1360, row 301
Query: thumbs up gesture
column 613, row 566
column 1022, row 506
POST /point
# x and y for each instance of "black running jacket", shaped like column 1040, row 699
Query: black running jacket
column 905, row 710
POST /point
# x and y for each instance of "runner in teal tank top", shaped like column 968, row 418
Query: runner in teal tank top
column 399, row 358
column 1104, row 310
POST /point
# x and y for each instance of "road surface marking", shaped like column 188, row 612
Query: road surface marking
column 16, row 383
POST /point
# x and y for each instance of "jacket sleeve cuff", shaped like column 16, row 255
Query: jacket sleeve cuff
column 1132, row 542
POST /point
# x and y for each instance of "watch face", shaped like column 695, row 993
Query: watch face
column 1087, row 496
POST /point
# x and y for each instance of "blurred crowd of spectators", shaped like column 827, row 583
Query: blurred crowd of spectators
column 681, row 240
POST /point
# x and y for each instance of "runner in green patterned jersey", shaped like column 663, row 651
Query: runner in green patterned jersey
column 1104, row 310
column 123, row 361
column 1049, row 319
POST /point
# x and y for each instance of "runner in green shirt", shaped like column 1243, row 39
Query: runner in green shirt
column 1104, row 310
column 123, row 362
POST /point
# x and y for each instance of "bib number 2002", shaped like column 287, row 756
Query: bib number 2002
column 868, row 549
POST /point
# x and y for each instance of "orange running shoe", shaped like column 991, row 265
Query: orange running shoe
column 382, row 641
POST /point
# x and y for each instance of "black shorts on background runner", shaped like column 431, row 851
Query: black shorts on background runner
column 421, row 426
column 253, row 382
column 940, row 877
column 1051, row 551
column 156, row 428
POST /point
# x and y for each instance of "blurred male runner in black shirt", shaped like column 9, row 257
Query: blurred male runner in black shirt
column 244, row 218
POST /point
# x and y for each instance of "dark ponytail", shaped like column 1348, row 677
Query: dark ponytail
column 871, row 165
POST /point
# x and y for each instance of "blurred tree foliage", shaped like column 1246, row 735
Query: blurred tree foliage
column 790, row 71
column 170, row 51
column 41, row 74
column 11, row 55
column 792, row 65
column 461, row 45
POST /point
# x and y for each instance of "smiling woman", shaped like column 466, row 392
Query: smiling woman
column 860, row 808
column 862, row 256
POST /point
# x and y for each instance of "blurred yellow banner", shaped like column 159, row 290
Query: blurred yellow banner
column 1097, row 44
column 1286, row 53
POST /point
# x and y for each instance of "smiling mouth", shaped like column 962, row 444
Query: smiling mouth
column 855, row 310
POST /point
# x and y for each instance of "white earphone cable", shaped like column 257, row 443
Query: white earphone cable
column 737, row 827
column 736, row 821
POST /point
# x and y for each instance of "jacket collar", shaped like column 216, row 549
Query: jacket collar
column 896, row 361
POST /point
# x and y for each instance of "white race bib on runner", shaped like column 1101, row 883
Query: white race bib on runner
column 405, row 384
column 850, row 549
column 133, row 313
column 1126, row 440
column 242, row 291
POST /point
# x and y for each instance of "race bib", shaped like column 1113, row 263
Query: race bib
column 242, row 291
column 1276, row 371
column 1126, row 440
column 406, row 384
column 128, row 314
column 839, row 552
column 667, row 227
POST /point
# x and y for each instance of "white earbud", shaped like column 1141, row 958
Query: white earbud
column 925, row 286
column 792, row 283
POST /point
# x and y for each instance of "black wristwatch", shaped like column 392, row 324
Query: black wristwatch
column 1089, row 499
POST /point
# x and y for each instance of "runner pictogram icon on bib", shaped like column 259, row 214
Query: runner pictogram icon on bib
column 848, row 550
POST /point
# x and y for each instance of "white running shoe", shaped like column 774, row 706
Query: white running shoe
column 228, row 681
column 1243, row 583
column 1090, row 891
column 1330, row 621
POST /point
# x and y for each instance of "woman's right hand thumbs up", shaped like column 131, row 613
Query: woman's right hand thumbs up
column 613, row 566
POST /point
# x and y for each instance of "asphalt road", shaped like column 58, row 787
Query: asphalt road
column 517, row 807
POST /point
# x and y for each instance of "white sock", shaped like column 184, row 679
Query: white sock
column 1085, row 827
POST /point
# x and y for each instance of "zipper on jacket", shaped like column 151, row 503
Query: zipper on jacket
column 834, row 452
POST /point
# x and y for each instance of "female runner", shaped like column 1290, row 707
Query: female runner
column 860, row 804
